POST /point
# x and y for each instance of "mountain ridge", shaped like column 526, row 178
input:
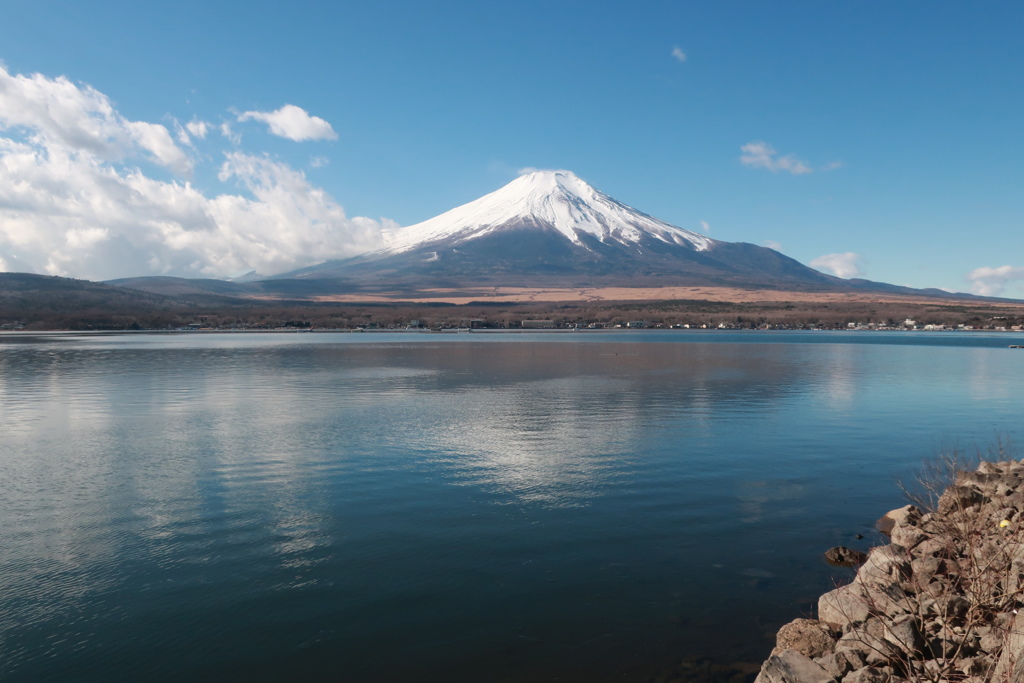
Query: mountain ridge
column 551, row 228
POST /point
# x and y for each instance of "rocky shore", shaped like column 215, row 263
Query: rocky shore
column 938, row 603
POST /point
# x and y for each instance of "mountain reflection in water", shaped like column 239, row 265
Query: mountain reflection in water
column 482, row 507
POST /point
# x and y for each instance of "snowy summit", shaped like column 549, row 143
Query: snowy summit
column 556, row 200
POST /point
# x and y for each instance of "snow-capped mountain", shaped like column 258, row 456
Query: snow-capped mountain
column 552, row 228
column 551, row 200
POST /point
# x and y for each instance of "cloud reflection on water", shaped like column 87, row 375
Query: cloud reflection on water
column 544, row 441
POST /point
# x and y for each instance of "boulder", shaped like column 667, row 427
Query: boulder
column 883, row 565
column 1010, row 665
column 959, row 498
column 837, row 664
column 790, row 666
column 868, row 674
column 908, row 514
column 869, row 641
column 843, row 607
column 907, row 536
column 841, row 556
column 905, row 633
column 807, row 636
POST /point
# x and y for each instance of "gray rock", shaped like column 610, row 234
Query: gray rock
column 884, row 564
column 1011, row 661
column 977, row 666
column 989, row 467
column 907, row 536
column 925, row 567
column 905, row 633
column 789, row 666
column 835, row 663
column 908, row 514
column 841, row 556
column 932, row 547
column 959, row 498
column 1003, row 489
column 807, row 636
column 843, row 607
column 868, row 674
column 869, row 642
column 952, row 607
column 991, row 641
column 979, row 479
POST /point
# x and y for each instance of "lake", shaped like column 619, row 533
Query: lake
column 607, row 506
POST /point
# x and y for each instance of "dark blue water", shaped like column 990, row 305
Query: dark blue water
column 501, row 507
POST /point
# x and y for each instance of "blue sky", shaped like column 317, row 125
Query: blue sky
column 878, row 139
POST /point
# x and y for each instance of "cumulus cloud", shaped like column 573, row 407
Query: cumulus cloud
column 841, row 265
column 678, row 54
column 293, row 123
column 58, row 112
column 74, row 202
column 988, row 281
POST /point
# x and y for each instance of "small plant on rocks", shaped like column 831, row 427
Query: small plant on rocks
column 939, row 603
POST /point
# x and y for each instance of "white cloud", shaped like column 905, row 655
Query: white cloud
column 293, row 123
column 841, row 265
column 704, row 227
column 58, row 112
column 156, row 140
column 228, row 132
column 319, row 162
column 73, row 202
column 772, row 244
column 526, row 170
column 763, row 155
column 677, row 53
column 198, row 129
column 988, row 281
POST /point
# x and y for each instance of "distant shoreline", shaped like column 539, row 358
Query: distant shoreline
column 493, row 331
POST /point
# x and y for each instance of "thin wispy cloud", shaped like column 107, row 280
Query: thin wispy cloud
column 763, row 155
column 293, row 123
column 988, row 281
column 772, row 244
column 85, row 192
column 759, row 154
column 704, row 227
column 845, row 265
column 678, row 54
column 229, row 133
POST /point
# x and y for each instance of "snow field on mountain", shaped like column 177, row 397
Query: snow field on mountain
column 554, row 199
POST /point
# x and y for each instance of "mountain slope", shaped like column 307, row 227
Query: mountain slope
column 552, row 228
column 58, row 302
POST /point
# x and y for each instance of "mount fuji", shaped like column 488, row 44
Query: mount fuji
column 551, row 228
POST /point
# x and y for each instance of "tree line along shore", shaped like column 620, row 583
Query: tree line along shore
column 70, row 313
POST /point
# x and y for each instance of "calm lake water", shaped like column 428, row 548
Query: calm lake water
column 484, row 507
